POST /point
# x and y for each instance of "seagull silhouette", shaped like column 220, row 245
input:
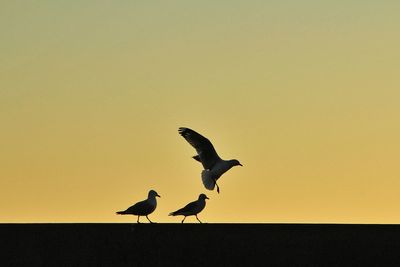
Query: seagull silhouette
column 142, row 208
column 214, row 166
column 193, row 208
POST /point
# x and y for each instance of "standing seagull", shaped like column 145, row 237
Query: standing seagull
column 193, row 208
column 142, row 208
column 213, row 165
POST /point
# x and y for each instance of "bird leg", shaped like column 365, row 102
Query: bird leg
column 138, row 219
column 198, row 219
column 183, row 219
column 148, row 219
column 215, row 181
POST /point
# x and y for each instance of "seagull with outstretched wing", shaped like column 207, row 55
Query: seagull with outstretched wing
column 214, row 166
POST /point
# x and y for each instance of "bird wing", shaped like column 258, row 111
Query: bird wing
column 205, row 150
column 188, row 209
column 141, row 208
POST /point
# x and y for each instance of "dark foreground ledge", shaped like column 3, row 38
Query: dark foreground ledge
column 199, row 244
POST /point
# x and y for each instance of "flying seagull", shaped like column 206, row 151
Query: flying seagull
column 193, row 208
column 142, row 208
column 213, row 165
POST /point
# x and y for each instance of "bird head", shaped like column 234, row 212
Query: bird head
column 203, row 197
column 153, row 194
column 235, row 162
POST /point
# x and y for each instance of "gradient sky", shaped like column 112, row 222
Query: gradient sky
column 304, row 93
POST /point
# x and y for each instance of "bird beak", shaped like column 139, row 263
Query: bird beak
column 240, row 164
column 158, row 195
column 207, row 198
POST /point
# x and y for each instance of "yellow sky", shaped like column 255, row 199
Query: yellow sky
column 305, row 94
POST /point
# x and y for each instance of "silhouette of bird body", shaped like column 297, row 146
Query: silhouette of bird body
column 193, row 208
column 214, row 166
column 142, row 208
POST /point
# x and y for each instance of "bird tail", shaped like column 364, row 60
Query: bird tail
column 120, row 212
column 208, row 180
column 172, row 214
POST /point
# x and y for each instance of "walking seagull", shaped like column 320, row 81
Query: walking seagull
column 193, row 208
column 213, row 165
column 142, row 208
